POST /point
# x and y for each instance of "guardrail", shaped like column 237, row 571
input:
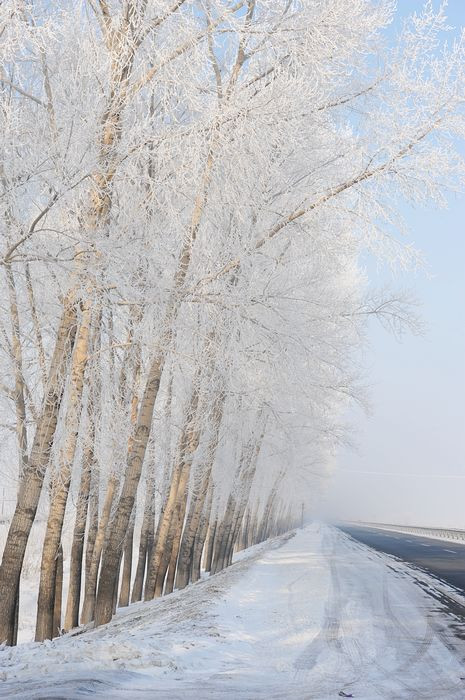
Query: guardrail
column 458, row 535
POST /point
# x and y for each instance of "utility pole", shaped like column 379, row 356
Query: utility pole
column 302, row 516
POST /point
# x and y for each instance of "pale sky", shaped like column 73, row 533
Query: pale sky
column 410, row 463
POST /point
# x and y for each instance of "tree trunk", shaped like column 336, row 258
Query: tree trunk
column 31, row 484
column 167, row 571
column 92, row 522
column 236, row 507
column 221, row 536
column 253, row 526
column 16, row 620
column 239, row 546
column 127, row 566
column 77, row 548
column 235, row 532
column 110, row 560
column 58, row 593
column 114, row 603
column 146, row 547
column 264, row 525
column 199, row 495
column 60, row 486
column 212, row 530
column 187, row 446
column 186, row 546
column 178, row 522
column 146, row 537
column 201, row 535
column 87, row 496
column 165, row 534
column 91, row 578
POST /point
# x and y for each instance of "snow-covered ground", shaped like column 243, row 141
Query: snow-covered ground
column 313, row 616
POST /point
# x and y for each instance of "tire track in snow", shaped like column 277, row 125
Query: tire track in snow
column 391, row 631
column 391, row 621
column 422, row 647
column 349, row 657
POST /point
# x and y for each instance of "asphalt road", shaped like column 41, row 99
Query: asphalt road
column 446, row 560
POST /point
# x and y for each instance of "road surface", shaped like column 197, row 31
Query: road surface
column 445, row 560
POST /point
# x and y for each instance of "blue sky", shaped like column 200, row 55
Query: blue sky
column 409, row 466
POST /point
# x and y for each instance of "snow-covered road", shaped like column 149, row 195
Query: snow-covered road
column 316, row 616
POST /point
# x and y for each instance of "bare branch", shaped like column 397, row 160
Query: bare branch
column 22, row 92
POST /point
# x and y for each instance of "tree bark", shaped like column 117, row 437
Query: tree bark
column 211, row 537
column 187, row 446
column 91, row 578
column 92, row 520
column 199, row 494
column 127, row 566
column 201, row 535
column 163, row 545
column 178, row 522
column 116, row 585
column 87, row 497
column 167, row 570
column 221, row 536
column 61, row 482
column 250, row 540
column 58, row 593
column 241, row 541
column 198, row 497
column 77, row 547
column 146, row 537
column 236, row 506
column 110, row 560
column 16, row 620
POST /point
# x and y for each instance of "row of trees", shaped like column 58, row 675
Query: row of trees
column 186, row 189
